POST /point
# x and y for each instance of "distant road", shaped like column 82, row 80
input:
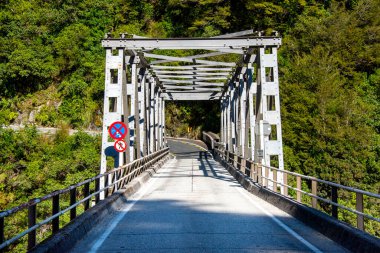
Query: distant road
column 51, row 130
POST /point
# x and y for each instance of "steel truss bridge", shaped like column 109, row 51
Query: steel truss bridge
column 180, row 213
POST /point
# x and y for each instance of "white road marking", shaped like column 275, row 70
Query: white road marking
column 138, row 195
column 280, row 223
column 135, row 198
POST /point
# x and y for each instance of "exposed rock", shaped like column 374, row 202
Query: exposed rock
column 18, row 120
column 32, row 116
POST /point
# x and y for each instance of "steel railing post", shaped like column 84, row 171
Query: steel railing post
column 334, row 199
column 114, row 178
column 266, row 177
column 275, row 180
column 253, row 169
column 73, row 196
column 359, row 208
column 285, row 179
column 97, row 187
column 252, row 172
column 314, row 190
column 86, row 192
column 2, row 239
column 106, row 186
column 55, row 210
column 32, row 216
column 259, row 174
column 299, row 187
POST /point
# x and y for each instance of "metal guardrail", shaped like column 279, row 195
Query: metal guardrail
column 254, row 170
column 260, row 175
column 209, row 137
column 114, row 180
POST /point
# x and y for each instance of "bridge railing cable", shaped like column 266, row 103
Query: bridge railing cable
column 114, row 180
column 317, row 193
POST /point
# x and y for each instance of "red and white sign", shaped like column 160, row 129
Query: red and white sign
column 118, row 130
column 120, row 146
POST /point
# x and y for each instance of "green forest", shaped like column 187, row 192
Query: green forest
column 52, row 74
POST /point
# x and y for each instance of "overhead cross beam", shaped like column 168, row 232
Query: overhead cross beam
column 199, row 67
column 191, row 43
column 187, row 59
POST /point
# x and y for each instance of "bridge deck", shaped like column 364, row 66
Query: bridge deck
column 193, row 205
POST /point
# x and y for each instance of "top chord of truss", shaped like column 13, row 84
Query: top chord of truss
column 191, row 43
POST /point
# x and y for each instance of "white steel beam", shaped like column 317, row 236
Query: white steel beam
column 191, row 96
column 231, row 51
column 192, row 67
column 191, row 73
column 190, row 43
column 189, row 57
column 195, row 74
column 193, row 89
column 236, row 34
column 189, row 82
column 186, row 59
column 191, row 78
column 170, row 85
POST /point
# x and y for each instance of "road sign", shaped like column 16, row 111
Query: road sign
column 118, row 130
column 120, row 146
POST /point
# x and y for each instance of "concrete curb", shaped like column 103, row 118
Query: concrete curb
column 351, row 238
column 66, row 238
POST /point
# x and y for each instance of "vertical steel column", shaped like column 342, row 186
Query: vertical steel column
column 226, row 120
column 126, row 110
column 136, row 99
column 146, row 115
column 156, row 123
column 112, row 108
column 252, row 90
column 247, row 154
column 233, row 118
column 229, row 119
column 243, row 104
column 164, row 144
column 151, row 116
column 159, row 114
column 270, row 109
column 221, row 120
column 238, row 116
column 142, row 112
column 131, row 118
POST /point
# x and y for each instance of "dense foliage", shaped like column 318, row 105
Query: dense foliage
column 52, row 70
column 33, row 165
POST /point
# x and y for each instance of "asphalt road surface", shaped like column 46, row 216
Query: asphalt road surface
column 194, row 205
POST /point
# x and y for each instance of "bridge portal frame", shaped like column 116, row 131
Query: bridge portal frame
column 248, row 91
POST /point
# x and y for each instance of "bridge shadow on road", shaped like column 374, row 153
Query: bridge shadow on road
column 169, row 224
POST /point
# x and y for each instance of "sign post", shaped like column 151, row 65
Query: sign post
column 120, row 146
